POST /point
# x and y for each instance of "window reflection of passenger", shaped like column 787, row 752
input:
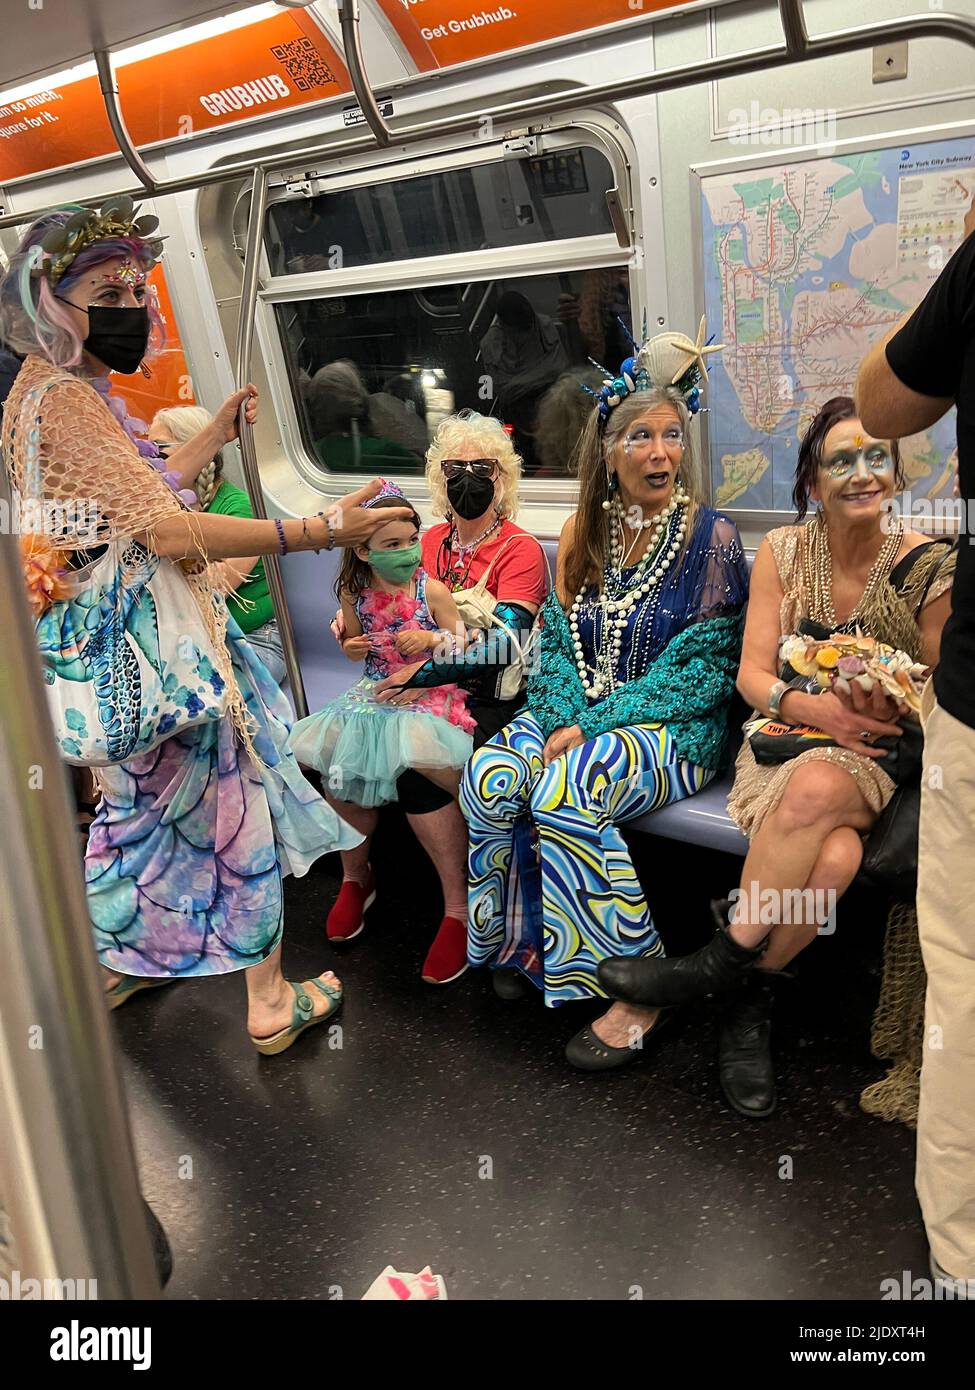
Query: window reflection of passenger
column 304, row 238
column 562, row 415
column 338, row 404
column 591, row 318
column 399, row 412
column 523, row 353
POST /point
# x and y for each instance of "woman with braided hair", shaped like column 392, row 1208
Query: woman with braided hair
column 249, row 599
column 192, row 840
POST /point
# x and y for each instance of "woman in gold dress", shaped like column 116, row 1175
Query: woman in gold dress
column 853, row 565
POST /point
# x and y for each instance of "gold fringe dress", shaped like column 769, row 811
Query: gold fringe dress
column 920, row 577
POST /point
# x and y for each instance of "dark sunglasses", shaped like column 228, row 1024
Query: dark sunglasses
column 481, row 468
column 163, row 446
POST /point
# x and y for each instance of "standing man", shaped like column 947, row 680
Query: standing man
column 905, row 384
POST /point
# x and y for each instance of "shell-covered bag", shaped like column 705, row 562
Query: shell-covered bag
column 815, row 660
column 127, row 659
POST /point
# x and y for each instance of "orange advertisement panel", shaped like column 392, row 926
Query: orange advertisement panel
column 439, row 33
column 274, row 65
column 170, row 382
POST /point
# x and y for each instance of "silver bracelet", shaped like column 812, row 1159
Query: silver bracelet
column 775, row 699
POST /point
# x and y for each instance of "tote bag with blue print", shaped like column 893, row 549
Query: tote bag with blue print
column 127, row 660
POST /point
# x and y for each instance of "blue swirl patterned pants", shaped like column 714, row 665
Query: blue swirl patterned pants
column 552, row 887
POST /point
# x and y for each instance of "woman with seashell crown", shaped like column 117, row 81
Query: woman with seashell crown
column 853, row 567
column 627, row 702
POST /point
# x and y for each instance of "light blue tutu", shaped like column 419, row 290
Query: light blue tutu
column 360, row 746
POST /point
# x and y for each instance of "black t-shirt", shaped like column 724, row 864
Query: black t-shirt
column 934, row 354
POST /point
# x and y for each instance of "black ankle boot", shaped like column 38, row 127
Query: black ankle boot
column 744, row 1056
column 715, row 968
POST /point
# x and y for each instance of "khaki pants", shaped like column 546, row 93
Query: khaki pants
column 946, row 924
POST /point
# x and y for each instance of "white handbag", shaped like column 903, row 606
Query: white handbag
column 128, row 660
column 477, row 606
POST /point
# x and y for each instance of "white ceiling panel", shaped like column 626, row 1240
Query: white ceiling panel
column 60, row 33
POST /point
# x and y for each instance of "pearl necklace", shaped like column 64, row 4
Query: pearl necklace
column 656, row 525
column 818, row 567
column 617, row 600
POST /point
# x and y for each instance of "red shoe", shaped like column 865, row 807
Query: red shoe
column 348, row 915
column 447, row 957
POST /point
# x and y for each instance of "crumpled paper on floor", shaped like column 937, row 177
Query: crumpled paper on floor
column 394, row 1284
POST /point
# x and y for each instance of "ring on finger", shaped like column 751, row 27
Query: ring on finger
column 866, row 736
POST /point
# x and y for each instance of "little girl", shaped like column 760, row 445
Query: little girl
column 394, row 612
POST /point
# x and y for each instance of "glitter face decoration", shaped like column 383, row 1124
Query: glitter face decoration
column 128, row 274
column 843, row 460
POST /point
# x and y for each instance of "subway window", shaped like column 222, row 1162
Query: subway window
column 548, row 197
column 374, row 373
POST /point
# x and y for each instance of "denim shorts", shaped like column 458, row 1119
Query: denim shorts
column 266, row 641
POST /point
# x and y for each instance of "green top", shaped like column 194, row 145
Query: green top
column 229, row 500
column 688, row 686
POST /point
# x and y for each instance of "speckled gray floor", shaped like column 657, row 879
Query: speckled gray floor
column 447, row 1129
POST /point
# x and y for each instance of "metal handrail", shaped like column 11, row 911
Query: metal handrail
column 69, row 1175
column 248, row 448
column 113, row 109
column 794, row 26
column 950, row 26
column 352, row 44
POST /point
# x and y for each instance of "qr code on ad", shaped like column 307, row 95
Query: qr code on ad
column 303, row 63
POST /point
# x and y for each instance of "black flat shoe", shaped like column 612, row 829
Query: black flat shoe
column 654, row 981
column 745, row 1068
column 509, row 984
column 587, row 1052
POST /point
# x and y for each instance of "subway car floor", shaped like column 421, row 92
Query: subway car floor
column 443, row 1127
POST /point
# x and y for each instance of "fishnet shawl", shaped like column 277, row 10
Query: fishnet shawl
column 86, row 462
column 897, row 1032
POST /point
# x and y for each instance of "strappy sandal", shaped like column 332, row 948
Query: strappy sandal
column 302, row 1017
column 131, row 984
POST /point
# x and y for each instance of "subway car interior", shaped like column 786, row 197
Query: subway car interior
column 387, row 214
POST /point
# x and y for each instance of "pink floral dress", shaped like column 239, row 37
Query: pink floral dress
column 361, row 746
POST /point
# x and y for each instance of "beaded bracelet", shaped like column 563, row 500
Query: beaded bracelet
column 331, row 530
column 282, row 542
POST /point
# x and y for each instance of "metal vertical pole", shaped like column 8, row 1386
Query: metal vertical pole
column 68, row 1167
column 248, row 450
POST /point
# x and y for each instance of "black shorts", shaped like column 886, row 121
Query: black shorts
column 417, row 795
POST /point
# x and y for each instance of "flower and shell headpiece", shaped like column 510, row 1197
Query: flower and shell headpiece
column 118, row 218
column 669, row 360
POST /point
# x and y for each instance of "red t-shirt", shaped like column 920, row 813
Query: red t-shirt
column 520, row 575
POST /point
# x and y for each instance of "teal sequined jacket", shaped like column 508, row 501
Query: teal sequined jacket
column 687, row 687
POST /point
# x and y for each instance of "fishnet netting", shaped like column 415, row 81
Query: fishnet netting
column 69, row 449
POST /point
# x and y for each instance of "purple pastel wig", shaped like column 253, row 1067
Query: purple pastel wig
column 32, row 318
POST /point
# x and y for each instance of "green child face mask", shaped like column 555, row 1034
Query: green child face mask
column 396, row 565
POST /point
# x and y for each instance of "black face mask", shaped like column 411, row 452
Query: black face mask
column 470, row 497
column 118, row 337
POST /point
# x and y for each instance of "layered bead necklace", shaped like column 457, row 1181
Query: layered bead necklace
column 619, row 598
column 818, row 565
column 462, row 556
